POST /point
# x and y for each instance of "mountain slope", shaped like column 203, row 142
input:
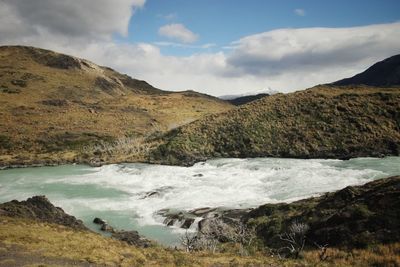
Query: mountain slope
column 383, row 73
column 238, row 101
column 53, row 105
column 322, row 122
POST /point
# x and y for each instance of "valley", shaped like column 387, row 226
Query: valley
column 158, row 167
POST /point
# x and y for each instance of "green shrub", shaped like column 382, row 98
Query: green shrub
column 5, row 142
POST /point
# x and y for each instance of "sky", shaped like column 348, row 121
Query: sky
column 218, row 47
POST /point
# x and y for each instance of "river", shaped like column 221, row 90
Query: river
column 123, row 194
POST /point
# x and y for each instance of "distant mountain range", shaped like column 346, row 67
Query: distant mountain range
column 241, row 99
column 238, row 101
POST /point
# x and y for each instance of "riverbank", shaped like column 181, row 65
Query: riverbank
column 68, row 158
column 36, row 232
column 141, row 196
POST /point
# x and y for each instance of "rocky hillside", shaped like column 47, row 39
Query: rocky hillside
column 53, row 105
column 383, row 73
column 35, row 233
column 356, row 216
column 321, row 122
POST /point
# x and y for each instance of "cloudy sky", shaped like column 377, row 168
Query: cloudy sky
column 219, row 47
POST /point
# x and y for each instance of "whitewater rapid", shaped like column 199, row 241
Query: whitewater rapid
column 120, row 192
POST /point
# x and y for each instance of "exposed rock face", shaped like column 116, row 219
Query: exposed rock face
column 140, row 86
column 356, row 216
column 53, row 60
column 40, row 208
column 105, row 85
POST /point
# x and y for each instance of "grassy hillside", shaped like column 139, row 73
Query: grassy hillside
column 31, row 243
column 321, row 122
column 26, row 242
column 53, row 105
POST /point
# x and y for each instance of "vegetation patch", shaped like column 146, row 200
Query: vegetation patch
column 71, row 141
column 5, row 142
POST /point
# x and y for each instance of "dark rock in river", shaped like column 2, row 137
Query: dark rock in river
column 99, row 221
column 185, row 219
column 157, row 192
column 202, row 212
column 40, row 208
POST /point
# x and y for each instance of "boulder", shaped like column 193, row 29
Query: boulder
column 40, row 208
column 99, row 221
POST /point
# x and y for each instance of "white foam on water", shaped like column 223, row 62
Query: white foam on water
column 122, row 193
column 233, row 183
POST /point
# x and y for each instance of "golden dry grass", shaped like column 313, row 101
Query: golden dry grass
column 87, row 112
column 64, row 245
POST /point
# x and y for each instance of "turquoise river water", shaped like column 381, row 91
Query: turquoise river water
column 117, row 192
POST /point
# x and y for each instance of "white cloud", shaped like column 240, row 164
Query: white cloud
column 284, row 59
column 84, row 18
column 178, row 32
column 300, row 12
column 313, row 49
column 172, row 44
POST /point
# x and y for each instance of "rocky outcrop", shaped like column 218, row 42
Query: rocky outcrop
column 203, row 217
column 52, row 59
column 356, row 216
column 131, row 237
column 40, row 208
